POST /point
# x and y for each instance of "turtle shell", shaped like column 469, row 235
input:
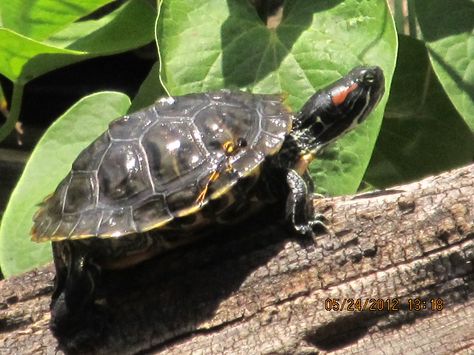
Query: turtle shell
column 149, row 167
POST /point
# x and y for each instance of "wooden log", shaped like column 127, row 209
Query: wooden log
column 394, row 275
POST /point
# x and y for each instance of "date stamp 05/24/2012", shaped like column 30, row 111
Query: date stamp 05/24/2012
column 383, row 304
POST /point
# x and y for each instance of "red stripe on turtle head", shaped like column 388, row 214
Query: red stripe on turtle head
column 340, row 94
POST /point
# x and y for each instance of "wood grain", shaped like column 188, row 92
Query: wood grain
column 257, row 289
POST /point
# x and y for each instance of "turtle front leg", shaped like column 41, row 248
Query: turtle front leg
column 299, row 209
column 299, row 204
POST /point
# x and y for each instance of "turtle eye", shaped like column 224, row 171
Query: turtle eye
column 369, row 78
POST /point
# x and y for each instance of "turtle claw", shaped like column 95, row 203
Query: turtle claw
column 318, row 224
column 305, row 230
column 316, row 196
column 313, row 227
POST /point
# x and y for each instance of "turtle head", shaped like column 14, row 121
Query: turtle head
column 338, row 108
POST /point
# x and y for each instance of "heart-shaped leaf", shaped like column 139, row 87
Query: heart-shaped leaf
column 211, row 44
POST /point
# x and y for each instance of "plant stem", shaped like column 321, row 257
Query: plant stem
column 14, row 114
column 412, row 19
column 399, row 16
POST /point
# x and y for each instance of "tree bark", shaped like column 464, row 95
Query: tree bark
column 393, row 274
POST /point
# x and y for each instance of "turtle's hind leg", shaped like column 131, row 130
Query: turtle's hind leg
column 77, row 276
column 61, row 274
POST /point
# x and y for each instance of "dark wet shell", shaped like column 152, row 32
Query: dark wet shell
column 150, row 166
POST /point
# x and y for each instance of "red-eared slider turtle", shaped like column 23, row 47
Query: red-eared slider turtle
column 160, row 175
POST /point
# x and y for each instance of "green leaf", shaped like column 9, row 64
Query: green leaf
column 130, row 26
column 38, row 19
column 48, row 164
column 210, row 44
column 23, row 59
column 422, row 134
column 448, row 29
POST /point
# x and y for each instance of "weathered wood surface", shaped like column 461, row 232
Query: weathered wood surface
column 262, row 291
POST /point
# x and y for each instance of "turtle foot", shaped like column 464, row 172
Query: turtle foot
column 76, row 329
column 319, row 224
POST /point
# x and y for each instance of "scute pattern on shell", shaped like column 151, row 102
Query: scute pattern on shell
column 150, row 166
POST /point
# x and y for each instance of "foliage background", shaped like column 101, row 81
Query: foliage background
column 295, row 47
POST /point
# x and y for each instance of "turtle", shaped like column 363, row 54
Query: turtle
column 158, row 177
